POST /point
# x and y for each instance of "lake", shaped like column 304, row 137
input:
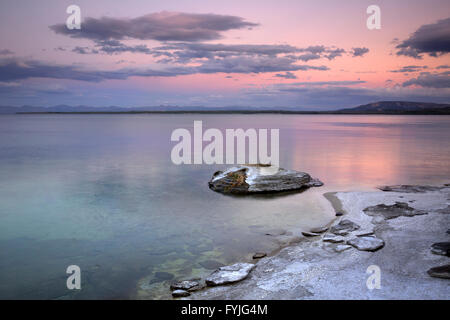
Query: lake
column 100, row 191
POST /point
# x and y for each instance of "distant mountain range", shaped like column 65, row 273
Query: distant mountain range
column 382, row 107
column 390, row 107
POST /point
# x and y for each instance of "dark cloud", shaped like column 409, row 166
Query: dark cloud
column 444, row 66
column 432, row 39
column 117, row 47
column 162, row 26
column 266, row 49
column 84, row 50
column 331, row 54
column 409, row 69
column 308, row 56
column 287, row 75
column 315, row 49
column 430, row 80
column 359, row 52
column 258, row 64
column 187, row 52
column 15, row 69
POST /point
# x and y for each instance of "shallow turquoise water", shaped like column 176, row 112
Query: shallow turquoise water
column 100, row 191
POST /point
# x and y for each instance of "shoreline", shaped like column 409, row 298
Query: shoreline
column 243, row 112
column 316, row 269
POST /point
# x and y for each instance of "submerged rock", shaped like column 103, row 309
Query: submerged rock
column 366, row 243
column 229, row 274
column 344, row 227
column 245, row 179
column 441, row 248
column 211, row 264
column 440, row 272
column 393, row 211
column 310, row 234
column 180, row 293
column 405, row 188
column 259, row 255
column 161, row 277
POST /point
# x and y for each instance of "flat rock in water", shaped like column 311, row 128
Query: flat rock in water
column 180, row 293
column 247, row 179
column 393, row 211
column 344, row 227
column 440, row 272
column 187, row 285
column 441, row 248
column 229, row 274
column 319, row 230
column 342, row 247
column 332, row 238
column 405, row 188
column 310, row 234
column 259, row 255
column 366, row 243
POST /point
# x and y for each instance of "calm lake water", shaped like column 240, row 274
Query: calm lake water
column 100, row 192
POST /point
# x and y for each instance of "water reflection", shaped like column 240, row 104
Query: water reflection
column 100, row 191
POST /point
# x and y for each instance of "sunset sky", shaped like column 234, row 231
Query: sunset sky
column 313, row 55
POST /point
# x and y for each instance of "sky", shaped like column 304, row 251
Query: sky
column 310, row 55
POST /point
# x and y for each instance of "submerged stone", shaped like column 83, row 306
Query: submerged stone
column 393, row 211
column 259, row 255
column 310, row 234
column 229, row 274
column 161, row 276
column 405, row 188
column 211, row 264
column 441, row 248
column 344, row 227
column 440, row 272
column 245, row 179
